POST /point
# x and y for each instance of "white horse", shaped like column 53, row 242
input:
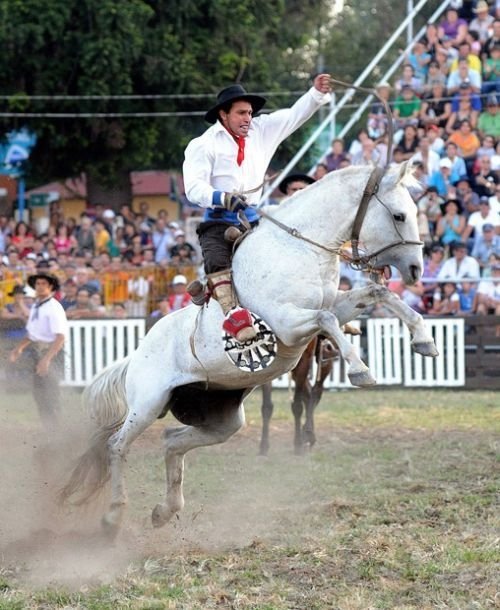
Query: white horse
column 290, row 279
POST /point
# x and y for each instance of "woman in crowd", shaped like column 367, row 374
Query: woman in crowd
column 22, row 238
column 467, row 143
column 63, row 242
column 465, row 112
column 452, row 224
column 409, row 142
column 436, row 109
column 432, row 267
column 433, row 42
column 452, row 27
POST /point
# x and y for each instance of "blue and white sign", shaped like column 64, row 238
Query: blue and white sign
column 14, row 150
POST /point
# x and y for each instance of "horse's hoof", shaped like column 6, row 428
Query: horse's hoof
column 109, row 527
column 427, row 348
column 310, row 441
column 362, row 379
column 158, row 518
column 347, row 329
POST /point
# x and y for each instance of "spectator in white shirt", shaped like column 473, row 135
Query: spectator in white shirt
column 42, row 346
column 459, row 265
column 488, row 293
column 478, row 219
column 428, row 157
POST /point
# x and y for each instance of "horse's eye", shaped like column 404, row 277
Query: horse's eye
column 399, row 217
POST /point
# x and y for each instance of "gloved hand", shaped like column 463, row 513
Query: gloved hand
column 234, row 202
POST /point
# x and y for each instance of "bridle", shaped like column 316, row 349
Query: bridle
column 362, row 261
column 356, row 259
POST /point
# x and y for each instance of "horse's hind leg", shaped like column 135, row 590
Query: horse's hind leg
column 302, row 393
column 178, row 441
column 325, row 353
column 267, row 412
column 118, row 446
column 301, row 398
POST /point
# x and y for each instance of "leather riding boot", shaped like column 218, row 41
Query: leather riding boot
column 197, row 291
column 239, row 323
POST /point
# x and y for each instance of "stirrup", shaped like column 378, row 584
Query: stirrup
column 253, row 355
column 197, row 291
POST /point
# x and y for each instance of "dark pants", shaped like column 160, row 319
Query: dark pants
column 46, row 390
column 216, row 251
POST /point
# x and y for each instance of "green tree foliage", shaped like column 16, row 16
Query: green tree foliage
column 360, row 30
column 187, row 50
column 125, row 47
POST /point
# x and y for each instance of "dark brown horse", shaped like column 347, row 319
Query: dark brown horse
column 306, row 396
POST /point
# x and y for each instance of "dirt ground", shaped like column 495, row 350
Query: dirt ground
column 234, row 499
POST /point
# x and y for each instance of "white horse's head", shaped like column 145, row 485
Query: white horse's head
column 389, row 232
column 326, row 213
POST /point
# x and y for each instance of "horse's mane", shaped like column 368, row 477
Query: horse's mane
column 335, row 177
column 403, row 174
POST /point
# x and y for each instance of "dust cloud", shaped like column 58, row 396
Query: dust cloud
column 42, row 544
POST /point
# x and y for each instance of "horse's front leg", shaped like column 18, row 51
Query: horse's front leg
column 348, row 305
column 357, row 371
column 422, row 341
column 267, row 412
column 178, row 441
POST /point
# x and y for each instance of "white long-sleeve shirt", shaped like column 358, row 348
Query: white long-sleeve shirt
column 46, row 320
column 210, row 160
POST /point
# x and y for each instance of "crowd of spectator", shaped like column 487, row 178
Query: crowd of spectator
column 101, row 248
column 446, row 123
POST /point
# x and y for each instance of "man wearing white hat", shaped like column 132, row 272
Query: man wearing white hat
column 482, row 22
column 444, row 178
column 180, row 297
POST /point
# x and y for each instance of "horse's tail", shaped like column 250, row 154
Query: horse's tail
column 105, row 401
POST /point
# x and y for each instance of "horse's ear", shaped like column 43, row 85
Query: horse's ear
column 403, row 170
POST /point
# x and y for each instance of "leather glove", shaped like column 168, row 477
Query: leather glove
column 234, row 202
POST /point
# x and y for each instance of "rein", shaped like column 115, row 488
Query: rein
column 356, row 260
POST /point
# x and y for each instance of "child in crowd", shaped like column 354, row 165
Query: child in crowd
column 446, row 301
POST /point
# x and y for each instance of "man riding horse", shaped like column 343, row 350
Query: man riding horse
column 227, row 161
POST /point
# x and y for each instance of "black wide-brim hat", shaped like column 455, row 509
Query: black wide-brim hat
column 283, row 185
column 232, row 94
column 51, row 279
